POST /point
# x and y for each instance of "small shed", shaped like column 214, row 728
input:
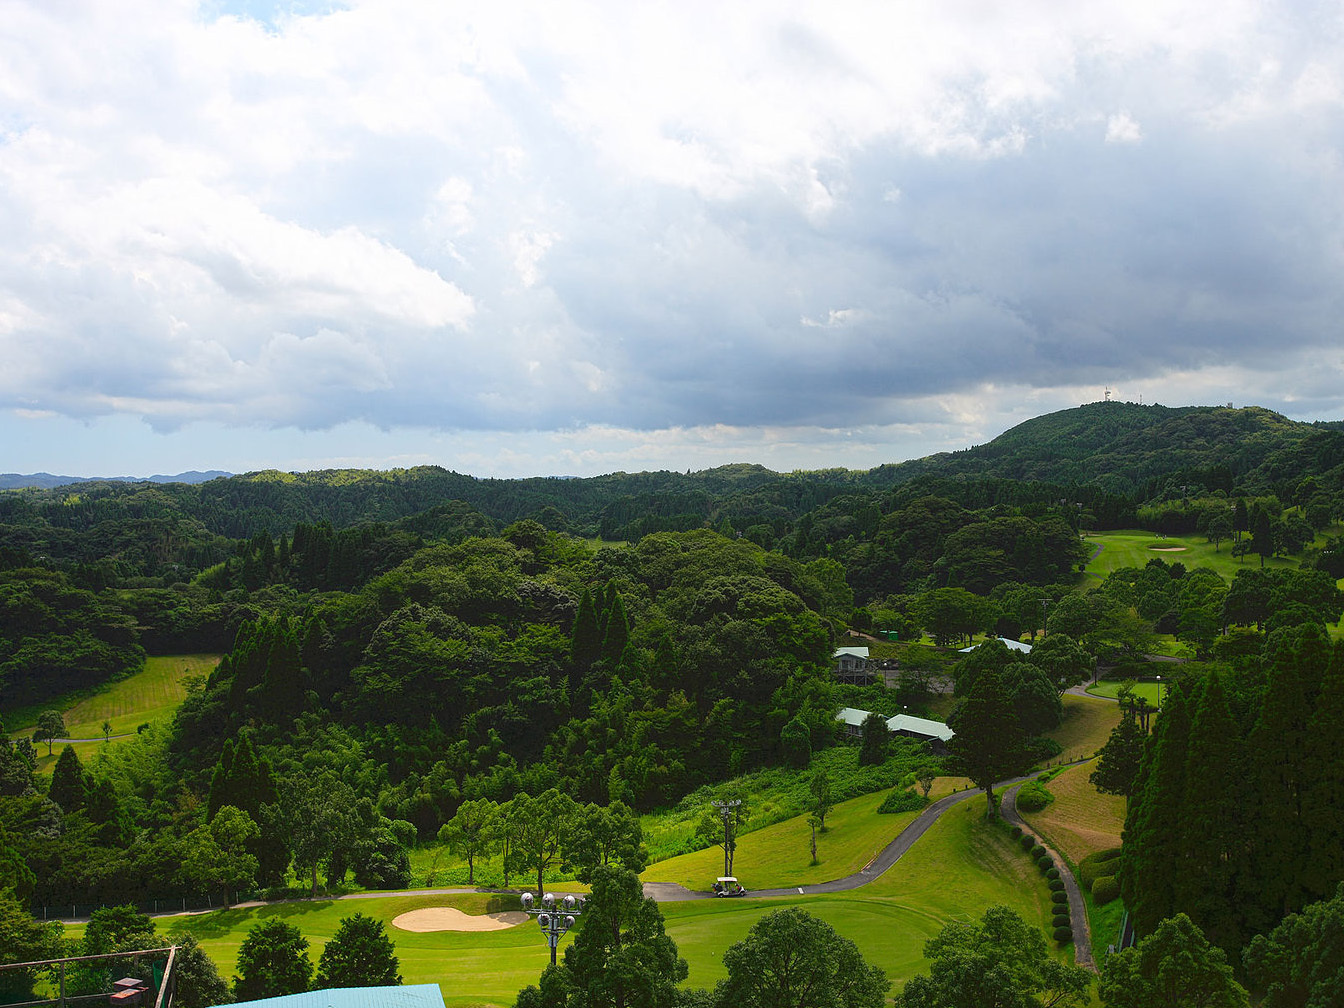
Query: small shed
column 851, row 665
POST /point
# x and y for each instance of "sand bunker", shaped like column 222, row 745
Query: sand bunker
column 1168, row 549
column 453, row 919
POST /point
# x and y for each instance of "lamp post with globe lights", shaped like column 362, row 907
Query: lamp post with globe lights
column 554, row 917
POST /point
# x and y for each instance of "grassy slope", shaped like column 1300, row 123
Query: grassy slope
column 148, row 697
column 1085, row 727
column 1080, row 821
column 780, row 855
column 958, row 869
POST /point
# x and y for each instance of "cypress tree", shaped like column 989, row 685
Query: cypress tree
column 1117, row 769
column 1153, row 823
column 1295, row 659
column 221, row 782
column 1212, row 829
column 1324, row 794
column 616, row 633
column 586, row 639
column 67, row 781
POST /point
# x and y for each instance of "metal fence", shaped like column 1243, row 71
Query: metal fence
column 152, row 985
column 179, row 904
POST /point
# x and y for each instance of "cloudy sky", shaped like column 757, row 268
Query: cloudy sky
column 571, row 238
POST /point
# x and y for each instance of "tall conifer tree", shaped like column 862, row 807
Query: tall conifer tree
column 1280, row 855
column 1212, row 831
column 1153, row 825
column 1324, row 795
column 586, row 639
column 68, row 788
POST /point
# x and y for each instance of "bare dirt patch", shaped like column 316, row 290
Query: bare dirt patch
column 453, row 919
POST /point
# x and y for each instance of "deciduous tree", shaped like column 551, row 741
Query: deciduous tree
column 790, row 959
column 1174, row 967
column 999, row 960
column 472, row 832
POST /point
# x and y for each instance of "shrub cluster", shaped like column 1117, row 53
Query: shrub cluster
column 903, row 801
column 1033, row 797
column 1094, row 866
column 1064, row 935
column 1105, row 888
column 1028, row 841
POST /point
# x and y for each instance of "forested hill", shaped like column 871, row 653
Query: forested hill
column 1110, row 457
column 1124, row 447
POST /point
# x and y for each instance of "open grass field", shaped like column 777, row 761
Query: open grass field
column 1150, row 691
column 1134, row 548
column 780, row 855
column 148, row 697
column 1081, row 820
column 959, row 868
column 1085, row 726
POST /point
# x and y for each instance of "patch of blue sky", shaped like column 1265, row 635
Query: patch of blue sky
column 268, row 12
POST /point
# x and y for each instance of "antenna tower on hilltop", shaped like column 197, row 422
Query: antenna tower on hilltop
column 1108, row 394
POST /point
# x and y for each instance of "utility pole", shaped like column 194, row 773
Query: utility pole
column 727, row 811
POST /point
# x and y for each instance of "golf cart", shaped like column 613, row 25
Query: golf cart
column 727, row 885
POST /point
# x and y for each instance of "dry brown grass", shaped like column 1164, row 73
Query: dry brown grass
column 1080, row 821
column 1085, row 727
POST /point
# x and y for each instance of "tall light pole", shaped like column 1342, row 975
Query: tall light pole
column 553, row 920
column 727, row 810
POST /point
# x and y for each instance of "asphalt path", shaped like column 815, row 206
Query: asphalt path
column 1082, row 934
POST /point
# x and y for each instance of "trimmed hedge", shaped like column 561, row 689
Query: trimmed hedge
column 1016, row 831
column 1033, row 796
column 903, row 801
column 1052, row 872
column 1055, row 884
column 1028, row 842
column 1063, row 935
column 1094, row 866
column 1105, row 889
column 1045, row 862
column 1060, row 920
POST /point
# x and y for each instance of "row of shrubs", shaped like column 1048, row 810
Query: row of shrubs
column 1059, row 899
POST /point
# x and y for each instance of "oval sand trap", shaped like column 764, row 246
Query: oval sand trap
column 1168, row 549
column 453, row 919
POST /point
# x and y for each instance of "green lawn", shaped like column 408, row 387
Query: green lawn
column 959, row 868
column 780, row 855
column 148, row 697
column 1134, row 548
column 1150, row 691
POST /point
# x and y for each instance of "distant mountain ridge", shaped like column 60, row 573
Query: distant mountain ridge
column 1120, row 446
column 46, row 481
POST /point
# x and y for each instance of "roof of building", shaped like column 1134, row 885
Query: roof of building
column 901, row 722
column 407, row 996
column 920, row 726
column 855, row 652
column 1012, row 645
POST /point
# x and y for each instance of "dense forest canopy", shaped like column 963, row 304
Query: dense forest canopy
column 406, row 645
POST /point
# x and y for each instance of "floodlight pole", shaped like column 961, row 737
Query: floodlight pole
column 554, row 920
column 726, row 811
